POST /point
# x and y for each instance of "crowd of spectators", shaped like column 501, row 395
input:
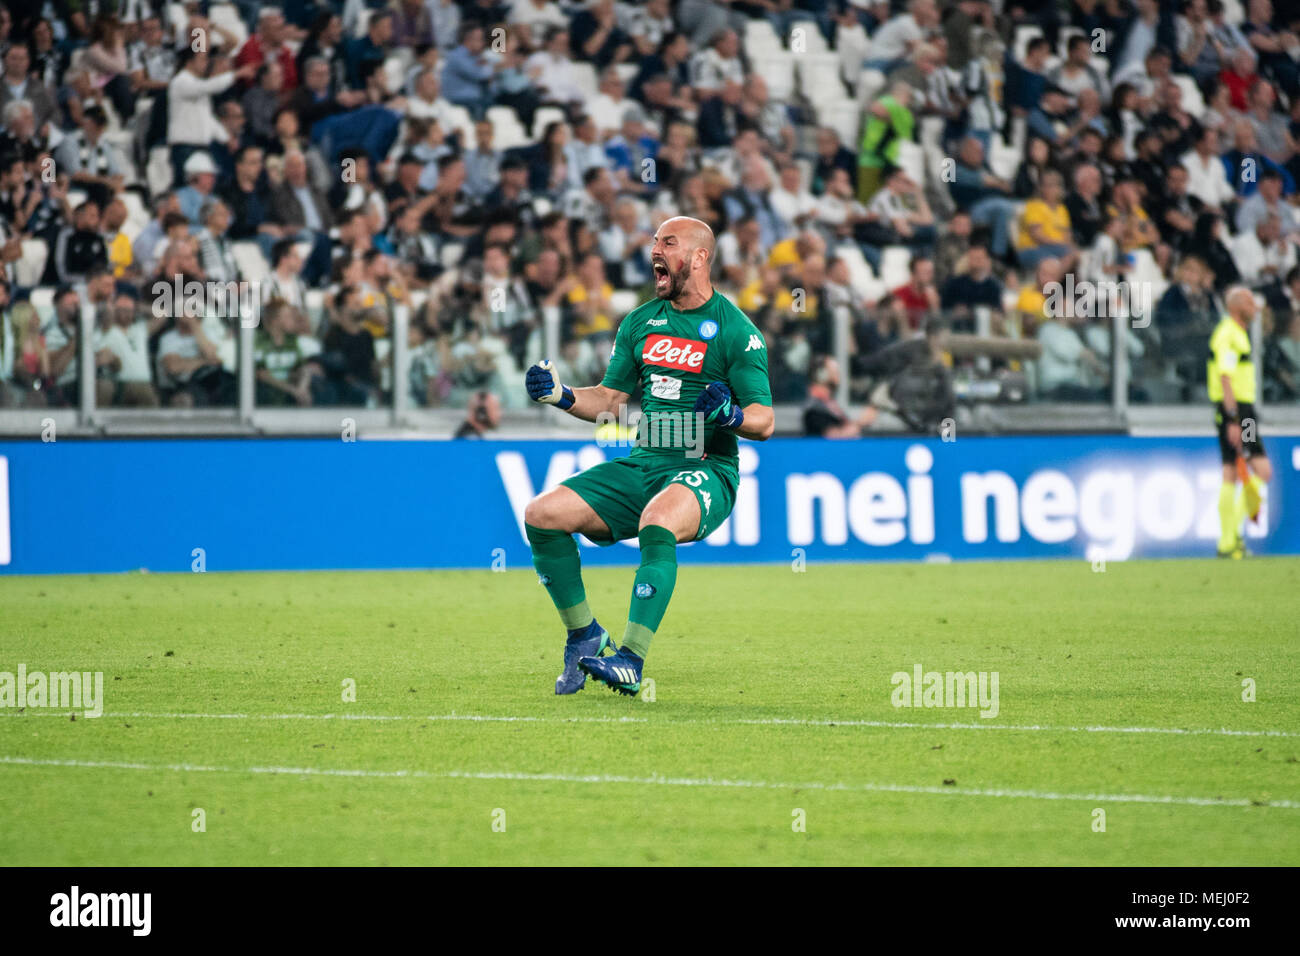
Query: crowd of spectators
column 497, row 168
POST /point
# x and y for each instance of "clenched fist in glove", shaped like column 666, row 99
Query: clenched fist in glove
column 545, row 388
column 717, row 406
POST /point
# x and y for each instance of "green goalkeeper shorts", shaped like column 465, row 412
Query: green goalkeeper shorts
column 618, row 491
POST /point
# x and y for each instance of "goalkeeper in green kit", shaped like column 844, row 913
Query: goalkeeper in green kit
column 702, row 367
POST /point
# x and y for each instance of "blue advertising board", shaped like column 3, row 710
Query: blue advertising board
column 254, row 504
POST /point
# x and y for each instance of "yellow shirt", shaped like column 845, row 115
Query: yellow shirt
column 1135, row 226
column 1031, row 301
column 1230, row 356
column 784, row 253
column 1055, row 221
column 590, row 325
column 752, row 298
column 119, row 255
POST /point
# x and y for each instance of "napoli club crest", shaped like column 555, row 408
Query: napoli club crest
column 708, row 329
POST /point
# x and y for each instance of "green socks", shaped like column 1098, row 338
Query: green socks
column 555, row 556
column 653, row 588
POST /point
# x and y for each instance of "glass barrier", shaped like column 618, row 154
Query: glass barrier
column 409, row 353
column 332, row 351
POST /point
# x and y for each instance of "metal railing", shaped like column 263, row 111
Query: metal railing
column 402, row 414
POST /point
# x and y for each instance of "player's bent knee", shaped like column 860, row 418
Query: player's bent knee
column 561, row 509
column 682, row 522
column 541, row 512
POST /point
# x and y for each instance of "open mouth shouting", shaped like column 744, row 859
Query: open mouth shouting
column 663, row 278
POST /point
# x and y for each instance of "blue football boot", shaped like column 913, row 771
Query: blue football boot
column 620, row 671
column 591, row 641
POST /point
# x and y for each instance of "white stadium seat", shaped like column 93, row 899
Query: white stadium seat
column 845, row 118
column 870, row 83
column 135, row 210
column 819, row 77
column 813, row 39
column 395, row 74
column 226, row 16
column 911, row 158
column 1193, row 101
column 778, row 71
column 1004, row 160
column 760, row 37
column 860, row 272
column 252, row 265
column 1023, row 35
column 30, row 267
column 584, row 76
column 463, row 121
column 158, row 171
column 42, row 300
column 508, row 131
column 544, row 117
column 895, row 266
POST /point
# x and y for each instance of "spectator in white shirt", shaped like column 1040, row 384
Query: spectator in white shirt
column 428, row 102
column 608, row 106
column 285, row 281
column 1068, row 370
column 551, row 70
column 191, row 125
column 127, row 336
column 538, row 16
column 1207, row 179
column 1263, row 256
column 894, row 40
column 647, row 24
column 792, row 202
column 717, row 64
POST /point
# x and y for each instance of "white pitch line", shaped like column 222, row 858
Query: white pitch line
column 755, row 721
column 662, row 781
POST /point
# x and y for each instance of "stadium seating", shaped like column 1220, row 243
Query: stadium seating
column 816, row 82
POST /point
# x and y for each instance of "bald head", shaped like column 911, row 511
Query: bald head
column 693, row 233
column 1240, row 302
column 681, row 257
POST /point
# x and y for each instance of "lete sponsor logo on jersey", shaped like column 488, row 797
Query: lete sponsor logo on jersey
column 671, row 352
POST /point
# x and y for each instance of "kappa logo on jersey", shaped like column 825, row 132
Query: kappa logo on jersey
column 754, row 343
column 665, row 386
column 707, row 499
column 670, row 352
column 656, row 322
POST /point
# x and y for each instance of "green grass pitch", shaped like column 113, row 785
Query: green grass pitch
column 772, row 706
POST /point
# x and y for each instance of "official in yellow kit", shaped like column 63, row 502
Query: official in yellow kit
column 1230, row 382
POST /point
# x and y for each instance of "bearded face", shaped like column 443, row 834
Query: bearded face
column 670, row 281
